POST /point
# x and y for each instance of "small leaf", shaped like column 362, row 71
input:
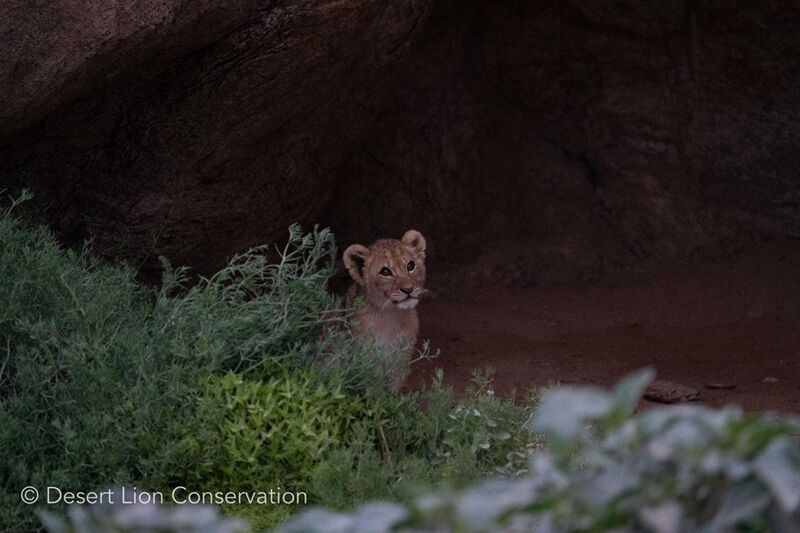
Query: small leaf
column 779, row 468
column 379, row 517
column 563, row 413
column 481, row 506
column 629, row 391
column 665, row 518
column 742, row 502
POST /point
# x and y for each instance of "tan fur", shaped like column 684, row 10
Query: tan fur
column 389, row 314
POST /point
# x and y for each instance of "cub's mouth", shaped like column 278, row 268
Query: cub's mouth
column 409, row 303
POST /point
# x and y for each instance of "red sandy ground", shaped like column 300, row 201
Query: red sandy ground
column 735, row 321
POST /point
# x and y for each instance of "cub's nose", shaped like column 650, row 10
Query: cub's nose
column 407, row 290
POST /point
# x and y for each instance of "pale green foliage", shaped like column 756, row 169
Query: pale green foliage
column 674, row 469
column 408, row 444
column 254, row 312
column 141, row 518
column 104, row 381
column 100, row 375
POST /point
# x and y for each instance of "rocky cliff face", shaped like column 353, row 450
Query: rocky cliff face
column 191, row 129
column 580, row 136
column 587, row 136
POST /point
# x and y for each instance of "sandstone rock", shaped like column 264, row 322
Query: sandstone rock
column 191, row 129
column 588, row 135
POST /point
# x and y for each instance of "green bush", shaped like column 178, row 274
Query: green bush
column 102, row 377
column 250, row 380
column 357, row 448
column 106, row 382
column 252, row 435
column 408, row 444
column 253, row 432
column 674, row 469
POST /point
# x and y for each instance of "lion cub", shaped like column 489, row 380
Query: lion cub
column 390, row 275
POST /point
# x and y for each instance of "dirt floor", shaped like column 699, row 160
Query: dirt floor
column 733, row 321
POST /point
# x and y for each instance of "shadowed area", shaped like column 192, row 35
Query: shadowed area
column 730, row 324
column 596, row 181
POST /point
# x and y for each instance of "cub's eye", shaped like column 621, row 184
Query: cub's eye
column 385, row 272
column 411, row 266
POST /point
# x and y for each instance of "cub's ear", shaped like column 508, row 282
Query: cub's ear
column 414, row 239
column 355, row 257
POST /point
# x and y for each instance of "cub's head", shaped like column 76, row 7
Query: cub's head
column 391, row 272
